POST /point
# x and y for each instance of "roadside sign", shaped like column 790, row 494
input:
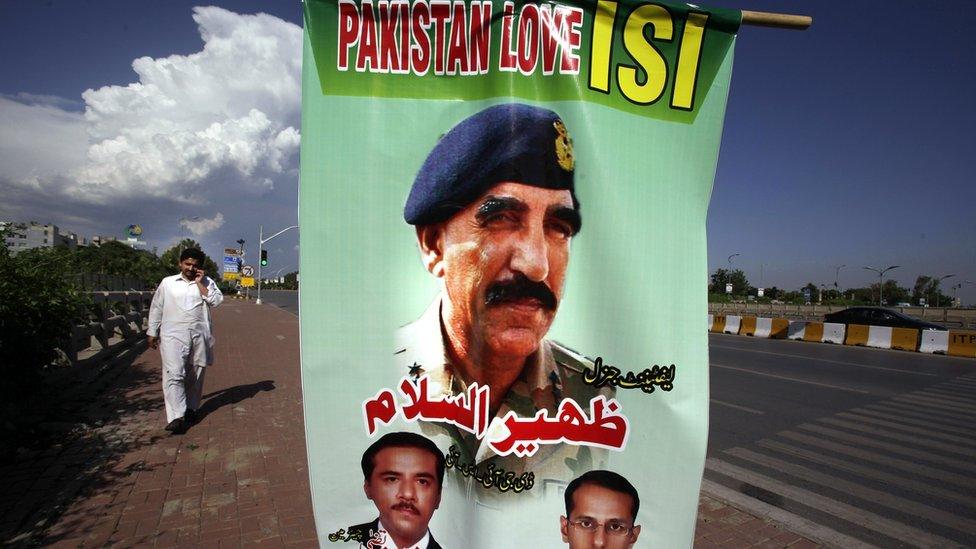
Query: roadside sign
column 247, row 282
column 760, row 291
column 728, row 288
column 247, row 270
column 230, row 276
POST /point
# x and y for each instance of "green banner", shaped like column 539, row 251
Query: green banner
column 503, row 269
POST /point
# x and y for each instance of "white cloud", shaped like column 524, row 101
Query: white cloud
column 201, row 226
column 192, row 128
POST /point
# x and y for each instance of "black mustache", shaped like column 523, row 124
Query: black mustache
column 405, row 506
column 519, row 288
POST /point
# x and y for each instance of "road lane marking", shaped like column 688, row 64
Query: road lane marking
column 917, row 454
column 280, row 336
column 939, row 391
column 911, row 439
column 827, row 360
column 793, row 379
column 961, row 481
column 926, row 432
column 938, row 399
column 793, row 523
column 856, row 490
column 886, row 527
column 913, row 410
column 928, row 403
column 914, row 419
column 948, row 397
column 868, row 472
column 736, row 406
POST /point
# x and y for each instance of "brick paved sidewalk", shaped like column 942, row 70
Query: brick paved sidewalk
column 237, row 478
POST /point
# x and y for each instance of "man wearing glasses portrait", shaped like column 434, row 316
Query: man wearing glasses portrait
column 601, row 508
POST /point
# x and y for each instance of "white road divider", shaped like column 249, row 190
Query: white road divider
column 833, row 333
column 732, row 324
column 879, row 337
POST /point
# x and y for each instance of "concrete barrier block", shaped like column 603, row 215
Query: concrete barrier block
column 934, row 341
column 718, row 324
column 732, row 323
column 962, row 343
column 833, row 333
column 748, row 326
column 763, row 327
column 814, row 331
column 779, row 329
column 905, row 339
column 797, row 330
column 879, row 337
column 857, row 334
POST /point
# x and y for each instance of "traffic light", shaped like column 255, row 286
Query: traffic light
column 264, row 258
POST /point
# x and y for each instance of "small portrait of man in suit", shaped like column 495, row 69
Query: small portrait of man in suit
column 403, row 474
column 601, row 510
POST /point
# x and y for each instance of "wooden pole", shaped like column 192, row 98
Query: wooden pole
column 779, row 20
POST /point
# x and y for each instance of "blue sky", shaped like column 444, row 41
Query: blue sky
column 846, row 144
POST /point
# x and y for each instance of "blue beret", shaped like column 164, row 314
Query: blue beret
column 509, row 142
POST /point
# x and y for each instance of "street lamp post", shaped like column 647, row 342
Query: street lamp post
column 183, row 222
column 261, row 241
column 938, row 294
column 881, row 273
column 730, row 266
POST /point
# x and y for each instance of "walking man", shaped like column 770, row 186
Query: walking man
column 180, row 327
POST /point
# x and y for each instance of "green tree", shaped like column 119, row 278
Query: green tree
column 291, row 281
column 117, row 259
column 171, row 259
column 38, row 307
column 721, row 277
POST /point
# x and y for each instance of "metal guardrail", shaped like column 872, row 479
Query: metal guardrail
column 121, row 320
column 948, row 316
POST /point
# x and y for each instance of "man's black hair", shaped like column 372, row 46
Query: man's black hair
column 604, row 479
column 193, row 253
column 402, row 440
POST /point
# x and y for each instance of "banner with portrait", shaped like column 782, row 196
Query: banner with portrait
column 503, row 268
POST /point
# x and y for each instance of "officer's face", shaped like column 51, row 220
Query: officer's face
column 404, row 488
column 503, row 259
column 600, row 518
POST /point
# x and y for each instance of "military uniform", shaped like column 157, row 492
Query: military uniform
column 551, row 374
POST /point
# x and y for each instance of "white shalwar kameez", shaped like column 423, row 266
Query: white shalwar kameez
column 180, row 317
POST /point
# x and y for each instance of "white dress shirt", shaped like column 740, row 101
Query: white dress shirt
column 179, row 311
column 388, row 544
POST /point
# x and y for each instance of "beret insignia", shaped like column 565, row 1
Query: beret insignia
column 564, row 147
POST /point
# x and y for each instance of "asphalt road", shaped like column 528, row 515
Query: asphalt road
column 286, row 299
column 875, row 446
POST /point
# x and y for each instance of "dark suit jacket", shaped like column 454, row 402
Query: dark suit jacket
column 367, row 529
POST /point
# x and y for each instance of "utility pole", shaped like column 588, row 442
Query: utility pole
column 261, row 241
column 881, row 273
column 938, row 293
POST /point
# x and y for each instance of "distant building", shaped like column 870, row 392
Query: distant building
column 27, row 236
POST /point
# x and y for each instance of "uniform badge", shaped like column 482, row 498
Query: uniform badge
column 564, row 147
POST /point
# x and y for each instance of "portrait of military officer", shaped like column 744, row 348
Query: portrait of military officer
column 495, row 212
column 403, row 475
column 601, row 510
